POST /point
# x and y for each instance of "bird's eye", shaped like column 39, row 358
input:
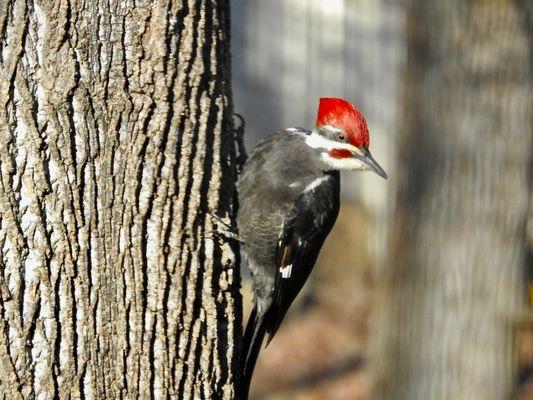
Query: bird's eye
column 341, row 136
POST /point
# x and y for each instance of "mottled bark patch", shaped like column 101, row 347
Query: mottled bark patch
column 116, row 148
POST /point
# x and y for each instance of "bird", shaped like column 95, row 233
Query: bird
column 289, row 197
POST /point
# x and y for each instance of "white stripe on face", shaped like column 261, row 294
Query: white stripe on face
column 349, row 163
column 317, row 141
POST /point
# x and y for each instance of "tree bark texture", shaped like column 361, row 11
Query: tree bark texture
column 458, row 248
column 116, row 150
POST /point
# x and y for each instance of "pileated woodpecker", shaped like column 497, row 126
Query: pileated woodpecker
column 288, row 203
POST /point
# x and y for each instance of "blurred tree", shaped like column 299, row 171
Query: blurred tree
column 458, row 248
column 116, row 147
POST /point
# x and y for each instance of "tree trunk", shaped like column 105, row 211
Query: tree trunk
column 458, row 249
column 116, row 149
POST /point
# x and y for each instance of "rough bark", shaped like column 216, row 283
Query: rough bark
column 116, row 149
column 458, row 249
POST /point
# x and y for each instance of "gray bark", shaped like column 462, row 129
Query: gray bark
column 458, row 248
column 116, row 149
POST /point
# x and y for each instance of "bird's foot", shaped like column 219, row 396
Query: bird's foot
column 223, row 229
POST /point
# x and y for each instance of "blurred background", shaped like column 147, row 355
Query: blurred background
column 421, row 290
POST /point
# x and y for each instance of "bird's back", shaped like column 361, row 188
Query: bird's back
column 273, row 178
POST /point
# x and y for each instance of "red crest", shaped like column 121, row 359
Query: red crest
column 340, row 113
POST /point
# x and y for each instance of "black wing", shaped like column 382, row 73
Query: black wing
column 304, row 232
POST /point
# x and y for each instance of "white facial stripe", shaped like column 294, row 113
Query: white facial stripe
column 344, row 163
column 317, row 141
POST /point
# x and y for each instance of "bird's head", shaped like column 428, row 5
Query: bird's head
column 341, row 134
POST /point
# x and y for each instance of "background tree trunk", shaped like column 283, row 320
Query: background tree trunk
column 116, row 148
column 458, row 250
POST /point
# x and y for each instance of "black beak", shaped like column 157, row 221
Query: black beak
column 371, row 163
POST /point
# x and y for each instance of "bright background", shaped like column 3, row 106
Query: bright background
column 286, row 55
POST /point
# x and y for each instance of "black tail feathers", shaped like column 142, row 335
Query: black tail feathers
column 253, row 339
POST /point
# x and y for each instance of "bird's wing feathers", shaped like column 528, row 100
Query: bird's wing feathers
column 304, row 231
